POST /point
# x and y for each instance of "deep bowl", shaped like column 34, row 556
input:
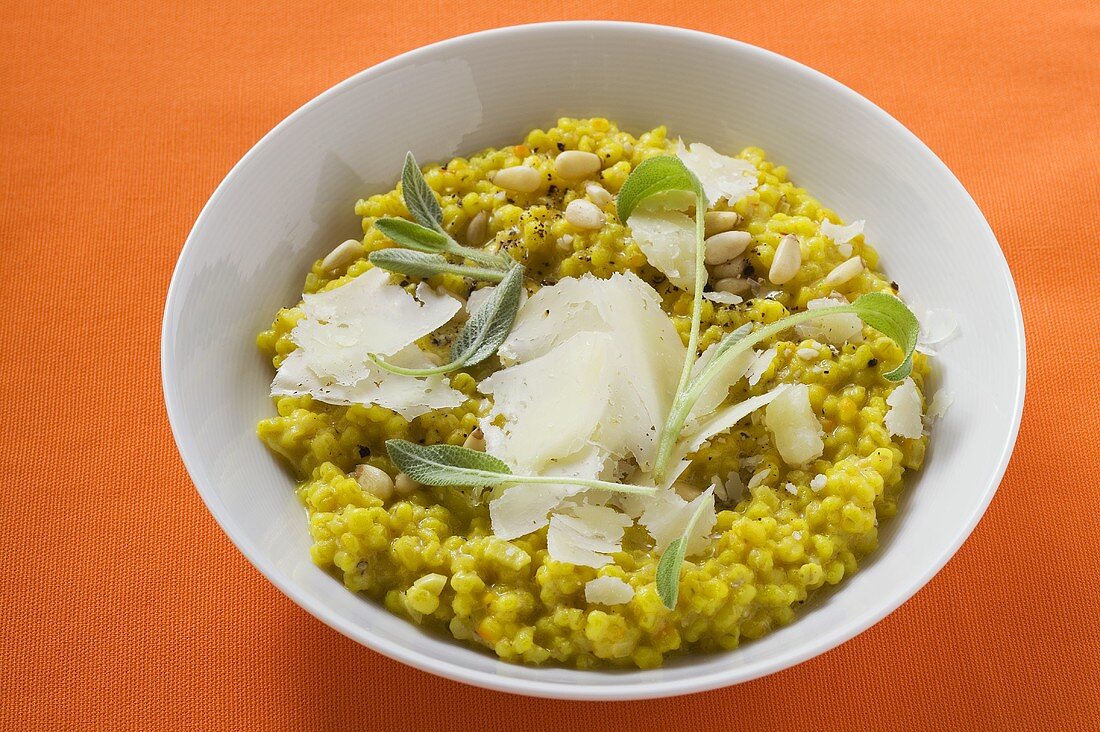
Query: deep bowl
column 290, row 200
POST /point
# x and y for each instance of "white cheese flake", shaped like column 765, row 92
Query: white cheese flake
column 343, row 326
column 818, row 482
column 793, row 425
column 842, row 234
column 837, row 329
column 760, row 364
column 620, row 372
column 587, row 536
column 904, row 416
column 721, row 175
column 758, row 478
column 608, row 590
column 937, row 326
column 667, row 238
column 666, row 516
column 941, row 401
column 723, row 298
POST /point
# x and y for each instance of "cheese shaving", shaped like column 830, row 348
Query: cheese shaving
column 842, row 234
column 760, row 363
column 723, row 298
column 667, row 238
column 608, row 590
column 620, row 367
column 586, row 539
column 904, row 416
column 667, row 515
column 794, row 426
column 721, row 175
column 939, row 405
column 838, row 329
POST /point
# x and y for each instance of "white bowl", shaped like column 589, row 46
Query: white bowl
column 290, row 201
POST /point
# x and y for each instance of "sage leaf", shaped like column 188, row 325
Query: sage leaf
column 483, row 333
column 422, row 264
column 442, row 465
column 659, row 174
column 412, row 235
column 487, row 328
column 419, row 197
column 672, row 560
column 450, row 465
column 668, row 572
column 885, row 313
column 889, row 316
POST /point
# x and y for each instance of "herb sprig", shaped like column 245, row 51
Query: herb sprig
column 425, row 241
column 883, row 312
column 672, row 560
column 483, row 333
column 666, row 176
column 450, row 465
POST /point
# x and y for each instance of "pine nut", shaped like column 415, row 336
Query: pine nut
column 475, row 441
column 404, row 485
column 374, row 481
column 598, row 194
column 521, row 178
column 732, row 268
column 715, row 222
column 584, row 214
column 342, row 255
column 477, row 229
column 733, row 285
column 723, row 247
column 577, row 164
column 844, row 271
column 787, row 261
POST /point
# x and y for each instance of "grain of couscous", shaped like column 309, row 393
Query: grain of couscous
column 792, row 511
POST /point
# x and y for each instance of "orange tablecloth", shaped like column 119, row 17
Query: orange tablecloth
column 123, row 604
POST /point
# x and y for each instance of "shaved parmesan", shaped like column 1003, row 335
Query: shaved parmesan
column 721, row 175
column 793, row 425
column 937, row 326
column 726, row 418
column 608, row 591
column 818, row 482
column 717, row 389
column 620, row 372
column 842, row 234
column 667, row 515
column 343, row 326
column 521, row 509
column 367, row 315
column 586, row 539
column 760, row 363
column 838, row 328
column 939, row 405
column 667, row 238
column 903, row 418
column 723, row 298
column 540, row 426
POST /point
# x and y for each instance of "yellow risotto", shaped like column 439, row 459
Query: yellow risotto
column 429, row 554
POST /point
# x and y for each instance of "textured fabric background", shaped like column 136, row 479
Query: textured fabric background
column 122, row 604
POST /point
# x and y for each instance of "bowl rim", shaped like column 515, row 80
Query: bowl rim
column 626, row 689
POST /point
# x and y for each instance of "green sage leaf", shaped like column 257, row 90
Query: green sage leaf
column 889, row 316
column 483, row 333
column 419, row 197
column 412, row 235
column 668, row 572
column 653, row 176
column 449, row 465
column 422, row 264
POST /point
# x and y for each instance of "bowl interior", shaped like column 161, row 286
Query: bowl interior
column 291, row 199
